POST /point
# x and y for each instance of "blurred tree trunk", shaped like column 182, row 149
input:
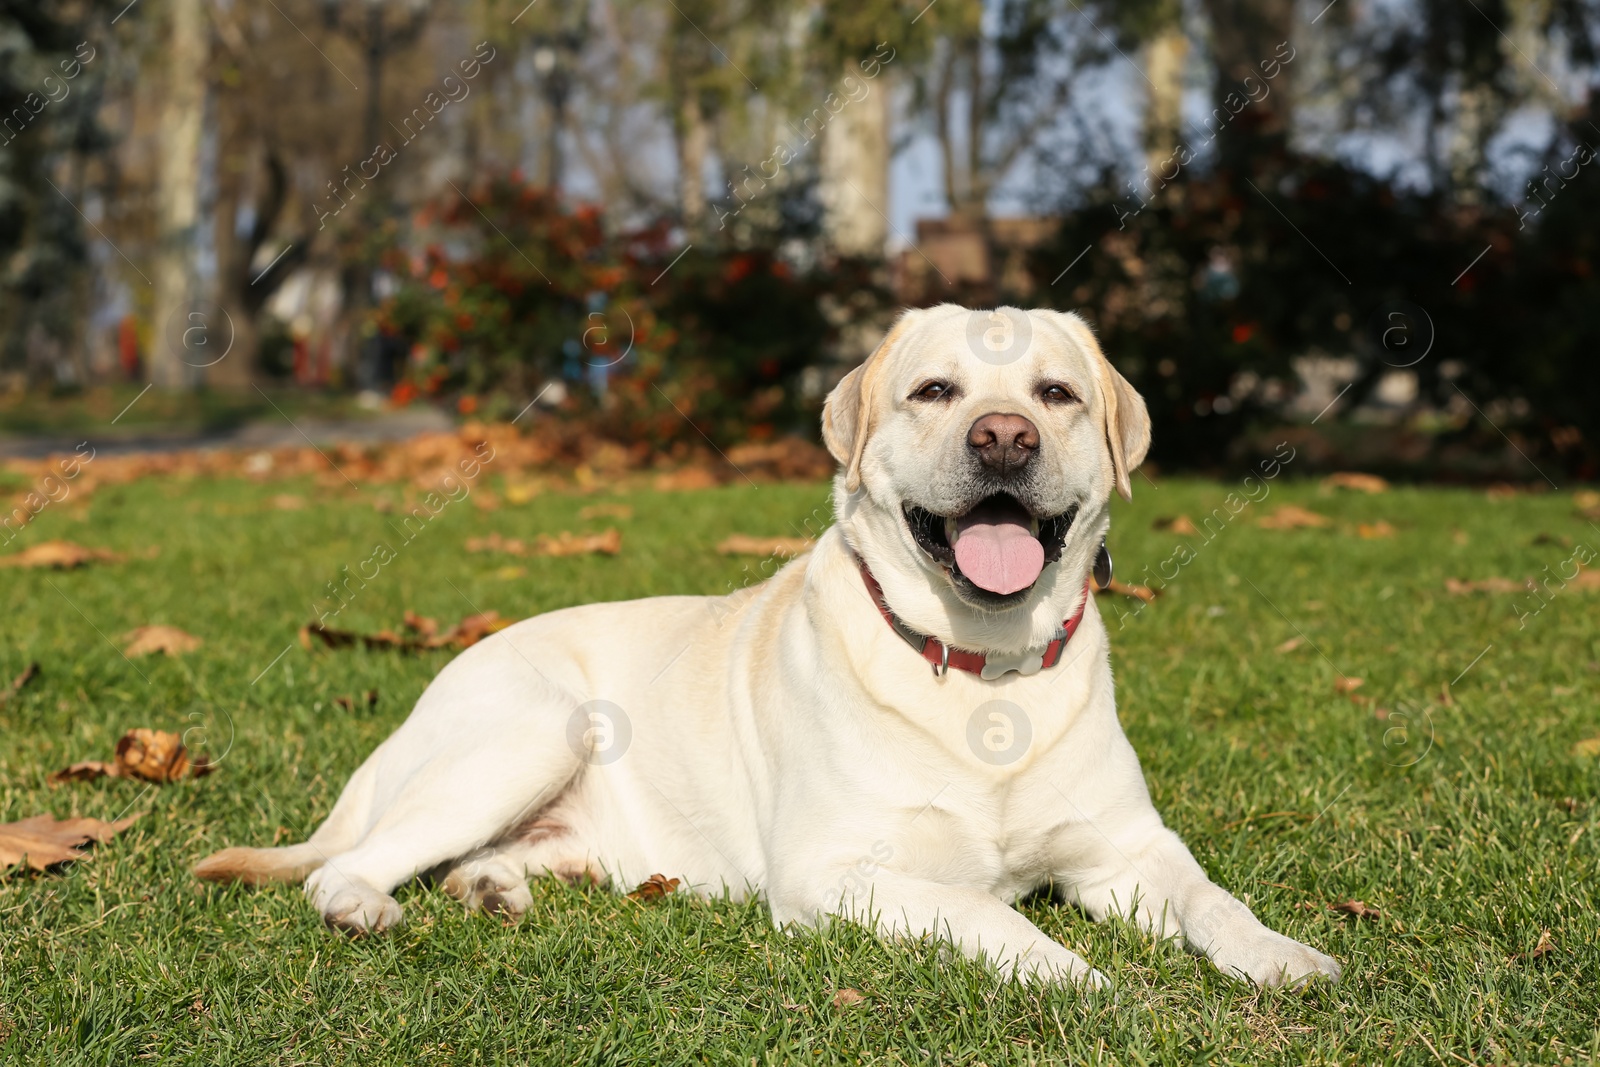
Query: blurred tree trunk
column 178, row 183
column 1164, row 59
column 694, row 147
column 855, row 172
column 1245, row 34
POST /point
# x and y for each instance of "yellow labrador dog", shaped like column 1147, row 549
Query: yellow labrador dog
column 911, row 726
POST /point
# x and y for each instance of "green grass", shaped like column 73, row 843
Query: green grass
column 1473, row 833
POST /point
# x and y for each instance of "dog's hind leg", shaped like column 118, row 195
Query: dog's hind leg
column 485, row 748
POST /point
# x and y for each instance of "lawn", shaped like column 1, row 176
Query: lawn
column 1445, row 792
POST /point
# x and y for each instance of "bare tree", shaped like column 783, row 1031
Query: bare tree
column 178, row 184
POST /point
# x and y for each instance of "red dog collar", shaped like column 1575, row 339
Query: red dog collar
column 943, row 657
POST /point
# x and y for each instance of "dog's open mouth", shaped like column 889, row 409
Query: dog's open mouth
column 998, row 546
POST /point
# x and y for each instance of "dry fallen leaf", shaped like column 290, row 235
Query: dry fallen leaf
column 688, row 478
column 158, row 756
column 1346, row 684
column 469, row 631
column 420, row 624
column 29, row 673
column 847, row 998
column 1545, row 946
column 168, row 639
column 1586, row 499
column 45, row 840
column 1372, row 530
column 1457, row 587
column 148, row 755
column 1291, row 517
column 1357, row 908
column 519, row 493
column 369, row 699
column 60, row 555
column 1143, row 592
column 288, row 502
column 1460, row 537
column 607, row 542
column 1181, row 525
column 565, row 543
column 1589, row 746
column 1501, row 491
column 620, row 512
column 745, row 545
column 654, row 888
column 1360, row 482
column 1290, row 645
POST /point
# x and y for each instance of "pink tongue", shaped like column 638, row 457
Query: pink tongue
column 995, row 550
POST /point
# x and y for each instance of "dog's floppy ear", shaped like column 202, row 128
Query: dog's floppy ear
column 1125, row 418
column 847, row 413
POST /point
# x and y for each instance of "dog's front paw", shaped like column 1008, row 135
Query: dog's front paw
column 1060, row 968
column 1270, row 959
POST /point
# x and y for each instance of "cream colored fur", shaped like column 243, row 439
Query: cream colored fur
column 785, row 741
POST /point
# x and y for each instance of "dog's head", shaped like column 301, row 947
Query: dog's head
column 979, row 453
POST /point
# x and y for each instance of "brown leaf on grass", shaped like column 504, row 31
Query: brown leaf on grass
column 519, row 493
column 689, row 478
column 565, row 543
column 620, row 512
column 469, row 631
column 419, row 624
column 59, row 555
column 1357, row 908
column 1372, row 530
column 1181, row 525
column 607, row 542
column 1460, row 537
column 29, row 673
column 745, row 545
column 369, row 699
column 86, row 771
column 1143, row 592
column 1501, row 491
column 288, row 502
column 1356, row 480
column 484, row 500
column 1291, row 644
column 654, row 888
column 149, row 755
column 1457, row 587
column 44, row 841
column 158, row 756
column 1292, row 517
column 1589, row 746
column 1586, row 579
column 1348, row 685
column 160, row 638
column 847, row 998
column 1545, row 946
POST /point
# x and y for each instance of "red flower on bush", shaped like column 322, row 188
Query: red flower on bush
column 1243, row 332
column 403, row 394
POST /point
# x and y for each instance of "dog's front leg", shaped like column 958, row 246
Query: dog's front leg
column 981, row 926
column 1144, row 872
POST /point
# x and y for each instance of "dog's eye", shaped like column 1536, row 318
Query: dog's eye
column 1056, row 393
column 934, row 391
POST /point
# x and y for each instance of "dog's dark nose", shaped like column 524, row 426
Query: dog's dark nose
column 1005, row 443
